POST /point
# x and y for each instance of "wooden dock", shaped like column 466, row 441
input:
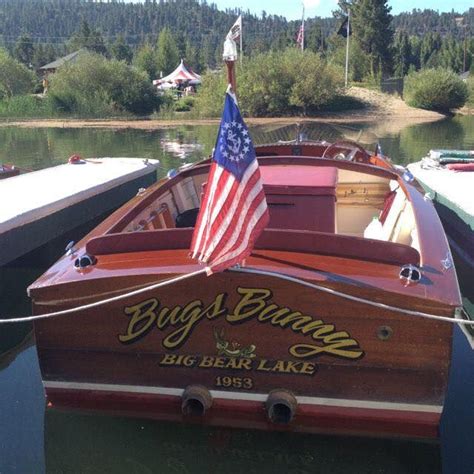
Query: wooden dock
column 453, row 195
column 39, row 206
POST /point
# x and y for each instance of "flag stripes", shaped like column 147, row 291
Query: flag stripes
column 233, row 215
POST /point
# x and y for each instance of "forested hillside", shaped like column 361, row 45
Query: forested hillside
column 420, row 22
column 51, row 23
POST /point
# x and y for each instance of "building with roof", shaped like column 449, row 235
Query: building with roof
column 55, row 65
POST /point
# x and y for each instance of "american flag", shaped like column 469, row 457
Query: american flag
column 300, row 37
column 233, row 210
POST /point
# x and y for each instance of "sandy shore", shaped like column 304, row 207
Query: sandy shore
column 390, row 113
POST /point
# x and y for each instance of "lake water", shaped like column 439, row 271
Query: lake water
column 33, row 440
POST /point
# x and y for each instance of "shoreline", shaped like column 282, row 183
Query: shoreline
column 389, row 112
column 156, row 124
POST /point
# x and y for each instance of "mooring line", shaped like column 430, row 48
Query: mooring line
column 102, row 302
column 325, row 289
column 453, row 320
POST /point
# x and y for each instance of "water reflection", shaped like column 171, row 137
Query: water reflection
column 118, row 445
column 21, row 412
column 40, row 148
column 413, row 142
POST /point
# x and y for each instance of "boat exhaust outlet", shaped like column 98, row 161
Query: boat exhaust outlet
column 196, row 400
column 281, row 406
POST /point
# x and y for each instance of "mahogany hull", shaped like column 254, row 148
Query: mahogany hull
column 319, row 331
column 353, row 368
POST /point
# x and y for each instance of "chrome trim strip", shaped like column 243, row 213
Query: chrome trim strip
column 244, row 396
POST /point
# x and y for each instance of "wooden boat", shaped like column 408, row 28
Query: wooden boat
column 7, row 171
column 321, row 330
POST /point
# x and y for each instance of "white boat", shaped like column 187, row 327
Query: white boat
column 42, row 205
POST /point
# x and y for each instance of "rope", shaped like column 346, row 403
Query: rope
column 355, row 298
column 162, row 284
column 155, row 286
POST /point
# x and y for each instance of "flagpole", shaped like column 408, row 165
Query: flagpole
column 348, row 29
column 302, row 36
column 241, row 34
column 231, row 75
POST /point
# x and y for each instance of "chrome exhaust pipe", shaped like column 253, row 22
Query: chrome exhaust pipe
column 196, row 400
column 281, row 406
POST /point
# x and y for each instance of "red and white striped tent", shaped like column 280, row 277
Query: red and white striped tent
column 180, row 74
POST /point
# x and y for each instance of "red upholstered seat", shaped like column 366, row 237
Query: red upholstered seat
column 301, row 197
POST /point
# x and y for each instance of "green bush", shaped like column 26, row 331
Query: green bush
column 185, row 104
column 210, row 96
column 470, row 89
column 15, row 78
column 29, row 106
column 435, row 89
column 95, row 86
column 275, row 84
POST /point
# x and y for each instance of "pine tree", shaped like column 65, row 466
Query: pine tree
column 88, row 38
column 207, row 53
column 121, row 51
column 314, row 38
column 403, row 54
column 192, row 57
column 81, row 38
column 24, row 50
column 145, row 59
column 430, row 45
column 371, row 27
column 96, row 43
column 167, row 57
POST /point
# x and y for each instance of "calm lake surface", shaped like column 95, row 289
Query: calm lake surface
column 33, row 440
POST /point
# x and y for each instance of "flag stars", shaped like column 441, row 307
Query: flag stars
column 247, row 141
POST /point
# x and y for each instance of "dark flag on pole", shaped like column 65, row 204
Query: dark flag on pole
column 345, row 29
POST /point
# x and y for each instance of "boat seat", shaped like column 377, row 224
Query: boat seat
column 187, row 218
column 397, row 207
column 392, row 225
column 159, row 218
column 282, row 240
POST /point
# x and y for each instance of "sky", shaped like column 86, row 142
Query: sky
column 292, row 9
